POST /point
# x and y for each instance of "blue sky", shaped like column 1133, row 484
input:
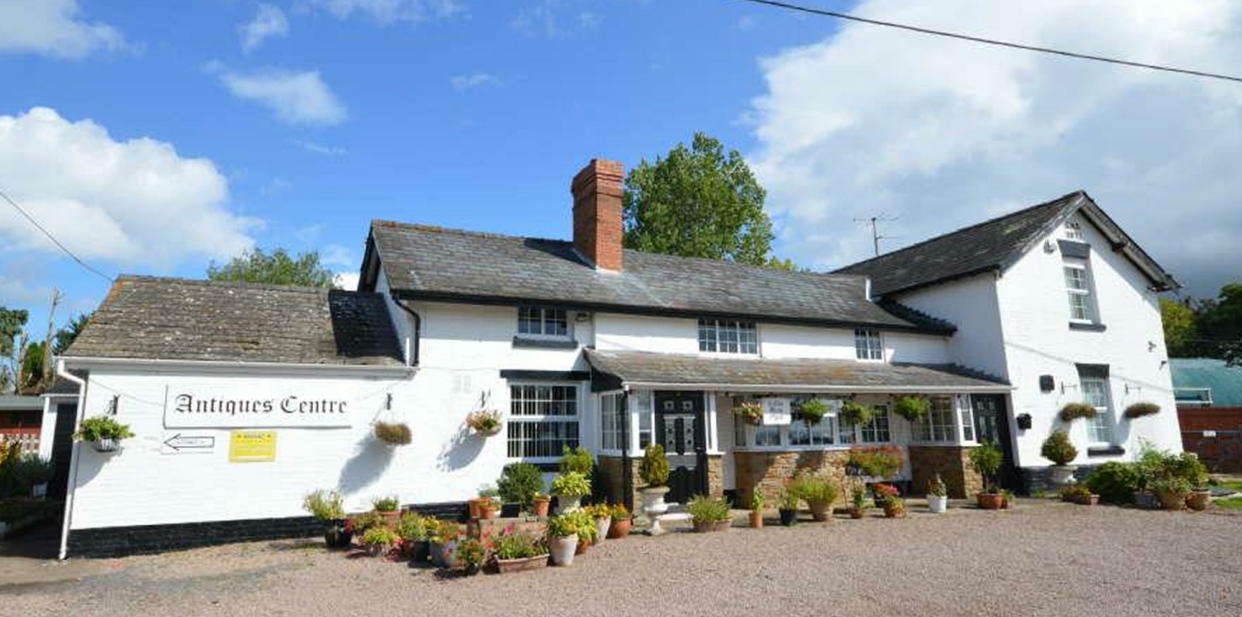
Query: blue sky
column 155, row 137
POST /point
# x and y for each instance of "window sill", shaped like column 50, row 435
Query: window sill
column 1105, row 451
column 538, row 343
column 1087, row 327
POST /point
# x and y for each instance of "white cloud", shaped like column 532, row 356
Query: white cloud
column 556, row 18
column 348, row 280
column 947, row 133
column 318, row 148
column 389, row 11
column 295, row 97
column 128, row 203
column 270, row 21
column 53, row 28
column 474, row 80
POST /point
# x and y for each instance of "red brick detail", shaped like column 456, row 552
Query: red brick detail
column 598, row 231
column 1221, row 453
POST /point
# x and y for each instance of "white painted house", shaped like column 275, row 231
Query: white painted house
column 243, row 398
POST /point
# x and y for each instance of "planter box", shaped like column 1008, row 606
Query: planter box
column 710, row 527
column 508, row 566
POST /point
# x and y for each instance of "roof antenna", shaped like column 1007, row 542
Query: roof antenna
column 875, row 232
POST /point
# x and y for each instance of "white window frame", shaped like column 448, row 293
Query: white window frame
column 1103, row 420
column 612, row 412
column 716, row 327
column 546, row 316
column 513, row 418
column 940, row 425
column 1073, row 231
column 1086, row 293
column 868, row 345
column 966, row 418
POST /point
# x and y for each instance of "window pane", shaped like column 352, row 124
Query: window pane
column 767, row 436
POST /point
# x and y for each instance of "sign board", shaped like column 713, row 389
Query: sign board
column 1209, row 433
column 177, row 442
column 776, row 411
column 252, row 446
column 255, row 405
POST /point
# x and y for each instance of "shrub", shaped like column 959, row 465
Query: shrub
column 1139, row 410
column 473, row 552
column 324, row 505
column 912, row 408
column 379, row 535
column 577, row 460
column 393, row 433
column 99, row 428
column 858, row 497
column 757, row 500
column 519, row 545
column 519, row 483
column 571, row 484
column 20, row 472
column 1171, row 484
column 854, row 414
column 584, row 523
column 412, row 527
column 363, row 522
column 1058, row 448
column 875, row 462
column 654, row 467
column 1074, row 492
column 704, row 509
column 813, row 411
column 1186, row 466
column 986, row 460
column 814, row 490
column 386, row 504
column 1074, row 411
column 1115, row 482
column 789, row 499
column 567, row 524
column 937, row 488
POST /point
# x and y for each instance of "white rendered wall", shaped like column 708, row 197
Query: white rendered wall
column 1038, row 341
column 971, row 304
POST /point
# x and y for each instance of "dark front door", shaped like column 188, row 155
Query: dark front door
column 62, row 449
column 992, row 424
column 679, row 426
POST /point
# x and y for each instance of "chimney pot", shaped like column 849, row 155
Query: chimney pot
column 598, row 232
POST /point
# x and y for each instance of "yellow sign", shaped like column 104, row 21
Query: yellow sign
column 252, row 446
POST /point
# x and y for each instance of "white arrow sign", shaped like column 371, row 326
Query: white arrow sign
column 181, row 443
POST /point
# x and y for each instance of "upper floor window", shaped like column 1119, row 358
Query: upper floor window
column 868, row 345
column 543, row 322
column 1095, row 393
column 1073, row 231
column 728, row 336
column 1078, row 287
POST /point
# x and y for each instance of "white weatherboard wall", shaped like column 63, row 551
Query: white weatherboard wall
column 1038, row 341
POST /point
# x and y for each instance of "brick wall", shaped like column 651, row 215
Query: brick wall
column 1221, row 453
column 598, row 229
column 951, row 462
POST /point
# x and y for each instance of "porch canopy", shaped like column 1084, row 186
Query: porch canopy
column 615, row 370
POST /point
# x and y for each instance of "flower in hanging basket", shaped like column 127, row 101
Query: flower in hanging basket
column 1139, row 410
column 393, row 433
column 103, row 433
column 912, row 408
column 855, row 414
column 813, row 411
column 484, row 422
column 1073, row 411
column 750, row 411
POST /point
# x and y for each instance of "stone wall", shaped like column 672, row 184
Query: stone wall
column 610, row 470
column 770, row 470
column 953, row 465
column 715, row 475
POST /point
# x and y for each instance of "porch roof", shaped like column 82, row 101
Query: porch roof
column 684, row 372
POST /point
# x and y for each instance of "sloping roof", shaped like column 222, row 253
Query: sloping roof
column 9, row 402
column 63, row 386
column 1223, row 380
column 639, row 368
column 423, row 262
column 996, row 244
column 178, row 319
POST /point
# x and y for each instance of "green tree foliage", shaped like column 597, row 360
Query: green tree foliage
column 1179, row 328
column 699, row 202
column 68, row 334
column 1211, row 328
column 276, row 268
column 12, row 344
column 30, row 379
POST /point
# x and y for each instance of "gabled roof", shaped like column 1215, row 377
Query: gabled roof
column 1224, row 381
column 433, row 263
column 178, row 319
column 995, row 245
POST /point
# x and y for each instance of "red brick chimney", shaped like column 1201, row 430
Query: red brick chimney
column 597, row 213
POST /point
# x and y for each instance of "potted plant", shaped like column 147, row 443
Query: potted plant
column 1188, row 466
column 813, row 411
column 750, row 412
column 855, row 414
column 757, row 503
column 912, row 408
column 563, row 538
column 489, row 501
column 986, row 460
column 787, row 506
column 577, row 459
column 587, row 531
column 891, row 501
column 103, row 433
column 858, row 501
column 653, row 470
column 622, row 520
column 1141, row 410
column 390, row 508
column 485, row 422
column 1058, row 449
column 709, row 513
column 817, row 492
column 522, row 483
column 519, row 551
column 328, row 507
column 471, row 554
column 602, row 514
column 443, row 537
column 413, row 533
column 1074, row 411
column 540, row 504
column 1172, row 492
column 378, row 540
column 1079, row 494
column 570, row 487
column 937, row 495
column 393, row 433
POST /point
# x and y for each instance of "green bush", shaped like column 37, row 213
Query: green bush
column 519, row 483
column 1058, row 448
column 986, row 460
column 412, row 527
column 324, row 505
column 1114, row 482
column 578, row 522
column 386, row 504
column 704, row 509
column 654, row 467
column 571, row 484
column 577, row 460
column 20, row 472
column 813, row 489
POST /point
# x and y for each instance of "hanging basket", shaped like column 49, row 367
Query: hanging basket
column 106, row 445
column 856, row 414
column 485, row 422
column 912, row 408
column 750, row 411
column 1139, row 410
column 1073, row 411
column 813, row 411
column 393, row 433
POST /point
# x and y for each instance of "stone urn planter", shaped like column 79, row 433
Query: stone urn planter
column 1198, row 499
column 563, row 550
column 568, row 503
column 937, row 504
column 653, row 500
column 1062, row 474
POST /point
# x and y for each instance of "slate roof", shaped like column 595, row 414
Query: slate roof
column 638, row 368
column 423, row 262
column 1224, row 381
column 178, row 319
column 995, row 244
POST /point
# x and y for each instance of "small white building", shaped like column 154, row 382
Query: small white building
column 243, row 398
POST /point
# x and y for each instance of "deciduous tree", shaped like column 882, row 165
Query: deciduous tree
column 276, row 268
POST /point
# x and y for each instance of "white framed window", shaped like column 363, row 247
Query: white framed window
column 1078, row 288
column 868, row 344
column 536, row 322
column 1073, row 231
column 612, row 418
column 728, row 336
column 877, row 430
column 968, row 420
column 1095, row 393
column 822, row 434
column 542, row 421
column 643, row 402
column 937, row 425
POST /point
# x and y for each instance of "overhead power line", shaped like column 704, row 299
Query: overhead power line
column 986, row 41
column 53, row 238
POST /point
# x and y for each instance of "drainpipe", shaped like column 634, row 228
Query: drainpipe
column 410, row 359
column 73, row 458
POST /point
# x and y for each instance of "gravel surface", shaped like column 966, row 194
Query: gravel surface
column 1045, row 559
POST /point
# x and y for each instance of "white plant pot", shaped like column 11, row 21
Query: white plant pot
column 937, row 504
column 562, row 550
column 106, row 445
column 653, row 500
column 1062, row 474
column 601, row 528
column 568, row 503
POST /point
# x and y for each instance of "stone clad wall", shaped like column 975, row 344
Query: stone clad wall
column 770, row 470
column 610, row 469
column 953, row 465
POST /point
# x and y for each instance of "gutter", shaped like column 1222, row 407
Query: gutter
column 814, row 388
column 61, row 371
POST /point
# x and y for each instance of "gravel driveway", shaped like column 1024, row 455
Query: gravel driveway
column 1046, row 559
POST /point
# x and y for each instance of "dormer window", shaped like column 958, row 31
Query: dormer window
column 1073, row 231
column 868, row 344
column 728, row 336
column 534, row 322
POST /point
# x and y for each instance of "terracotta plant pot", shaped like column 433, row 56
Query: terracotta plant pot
column 788, row 517
column 856, row 513
column 894, row 511
column 541, row 507
column 620, row 528
column 821, row 512
column 487, row 509
column 1198, row 500
column 990, row 501
column 756, row 519
column 476, row 507
column 1170, row 500
column 706, row 527
column 509, row 566
column 1087, row 500
column 582, row 547
column 391, row 518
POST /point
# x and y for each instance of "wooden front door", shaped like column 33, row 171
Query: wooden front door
column 680, row 429
column 992, row 424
